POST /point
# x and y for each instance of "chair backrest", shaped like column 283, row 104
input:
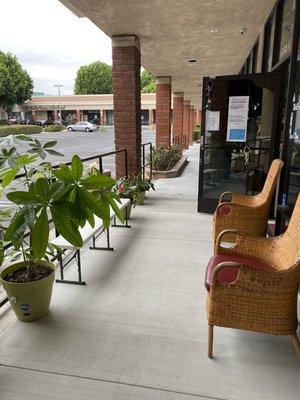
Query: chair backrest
column 266, row 194
column 285, row 251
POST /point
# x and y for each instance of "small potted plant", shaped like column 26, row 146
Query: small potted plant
column 125, row 189
column 142, row 186
column 66, row 196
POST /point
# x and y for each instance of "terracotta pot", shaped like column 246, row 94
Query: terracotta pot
column 30, row 301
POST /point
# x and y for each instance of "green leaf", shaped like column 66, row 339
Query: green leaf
column 64, row 174
column 41, row 188
column 66, row 227
column 29, row 215
column 10, row 176
column 59, row 189
column 95, row 205
column 77, row 168
column 90, row 218
column 42, row 154
column 52, row 143
column 98, row 182
column 114, row 206
column 24, row 138
column 40, row 235
column 25, row 159
column 54, row 152
column 69, row 209
column 16, row 227
column 19, row 197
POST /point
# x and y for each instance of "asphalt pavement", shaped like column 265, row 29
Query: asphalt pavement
column 86, row 144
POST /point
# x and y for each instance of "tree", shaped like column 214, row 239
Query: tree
column 95, row 78
column 147, row 82
column 15, row 83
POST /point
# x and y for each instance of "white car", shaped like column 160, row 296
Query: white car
column 82, row 126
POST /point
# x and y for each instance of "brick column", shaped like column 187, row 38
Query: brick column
column 55, row 115
column 198, row 116
column 78, row 115
column 102, row 117
column 186, row 122
column 191, row 127
column 127, row 101
column 151, row 118
column 163, row 111
column 178, row 116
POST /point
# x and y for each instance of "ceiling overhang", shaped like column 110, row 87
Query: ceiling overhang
column 173, row 32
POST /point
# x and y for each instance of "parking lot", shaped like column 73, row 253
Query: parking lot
column 88, row 144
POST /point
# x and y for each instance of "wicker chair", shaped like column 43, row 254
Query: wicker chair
column 247, row 214
column 254, row 284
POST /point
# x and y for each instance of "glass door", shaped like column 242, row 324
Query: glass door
column 242, row 119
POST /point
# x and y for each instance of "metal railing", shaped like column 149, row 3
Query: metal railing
column 144, row 158
column 100, row 157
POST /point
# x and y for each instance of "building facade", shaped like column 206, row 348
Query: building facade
column 96, row 108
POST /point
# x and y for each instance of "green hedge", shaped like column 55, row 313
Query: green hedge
column 54, row 128
column 165, row 159
column 19, row 130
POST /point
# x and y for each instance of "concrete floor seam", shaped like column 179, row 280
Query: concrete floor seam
column 112, row 382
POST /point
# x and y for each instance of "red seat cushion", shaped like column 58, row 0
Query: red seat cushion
column 224, row 210
column 229, row 274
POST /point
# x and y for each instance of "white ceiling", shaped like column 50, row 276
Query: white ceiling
column 172, row 32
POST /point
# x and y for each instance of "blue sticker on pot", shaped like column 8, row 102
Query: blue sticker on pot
column 25, row 307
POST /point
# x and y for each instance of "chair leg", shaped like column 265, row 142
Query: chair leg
column 296, row 344
column 210, row 341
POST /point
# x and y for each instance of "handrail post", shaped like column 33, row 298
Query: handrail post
column 151, row 147
column 143, row 166
column 126, row 163
column 100, row 165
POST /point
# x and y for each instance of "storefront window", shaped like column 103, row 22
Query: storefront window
column 268, row 45
column 287, row 28
column 294, row 146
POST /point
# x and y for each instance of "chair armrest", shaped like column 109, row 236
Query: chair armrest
column 256, row 247
column 235, row 210
column 248, row 277
column 225, row 264
column 221, row 199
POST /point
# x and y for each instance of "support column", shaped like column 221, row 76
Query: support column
column 178, row 116
column 186, row 123
column 126, row 70
column 163, row 111
column 191, row 127
column 55, row 115
column 198, row 116
column 102, row 117
column 151, row 119
column 78, row 115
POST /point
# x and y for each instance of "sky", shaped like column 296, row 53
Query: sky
column 50, row 42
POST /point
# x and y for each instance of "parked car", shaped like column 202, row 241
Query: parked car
column 29, row 121
column 14, row 121
column 44, row 122
column 82, row 126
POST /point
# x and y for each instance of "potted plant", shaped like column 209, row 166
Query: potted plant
column 142, row 186
column 64, row 194
column 125, row 189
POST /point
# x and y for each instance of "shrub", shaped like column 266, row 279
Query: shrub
column 197, row 133
column 19, row 130
column 165, row 159
column 54, row 128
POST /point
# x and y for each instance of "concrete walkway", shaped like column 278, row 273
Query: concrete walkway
column 138, row 331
